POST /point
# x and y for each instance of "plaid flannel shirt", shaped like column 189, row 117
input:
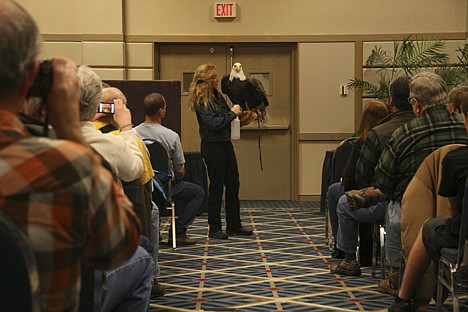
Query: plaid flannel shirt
column 373, row 145
column 368, row 159
column 68, row 206
column 413, row 142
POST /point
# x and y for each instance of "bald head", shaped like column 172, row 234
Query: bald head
column 110, row 94
column 19, row 46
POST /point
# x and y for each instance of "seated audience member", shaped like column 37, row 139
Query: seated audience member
column 374, row 111
column 371, row 150
column 456, row 98
column 53, row 201
column 433, row 128
column 121, row 151
column 437, row 233
column 139, row 190
column 188, row 196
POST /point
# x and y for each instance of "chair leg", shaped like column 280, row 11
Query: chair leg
column 451, row 284
column 358, row 253
column 173, row 217
column 328, row 238
column 402, row 268
column 382, row 251
column 440, row 286
column 454, row 281
column 375, row 242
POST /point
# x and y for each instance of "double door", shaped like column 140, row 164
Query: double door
column 272, row 64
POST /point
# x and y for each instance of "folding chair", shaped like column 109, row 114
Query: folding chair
column 453, row 260
column 91, row 289
column 338, row 164
column 19, row 276
column 378, row 242
column 159, row 157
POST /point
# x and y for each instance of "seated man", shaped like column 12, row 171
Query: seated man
column 437, row 233
column 134, row 290
column 121, row 151
column 433, row 128
column 188, row 196
column 371, row 150
column 63, row 200
column 408, row 146
column 139, row 190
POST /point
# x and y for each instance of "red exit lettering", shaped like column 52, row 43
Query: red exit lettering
column 224, row 10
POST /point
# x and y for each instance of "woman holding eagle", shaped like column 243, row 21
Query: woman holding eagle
column 214, row 120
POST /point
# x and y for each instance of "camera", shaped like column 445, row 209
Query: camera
column 43, row 81
column 106, row 108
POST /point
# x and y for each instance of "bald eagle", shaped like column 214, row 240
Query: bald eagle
column 247, row 92
column 250, row 95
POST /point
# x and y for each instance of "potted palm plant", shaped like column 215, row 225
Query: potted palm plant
column 410, row 57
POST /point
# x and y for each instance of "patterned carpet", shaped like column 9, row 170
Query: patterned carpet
column 283, row 267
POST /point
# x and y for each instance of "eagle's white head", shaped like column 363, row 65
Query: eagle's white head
column 237, row 72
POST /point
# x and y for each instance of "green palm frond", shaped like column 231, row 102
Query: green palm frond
column 463, row 58
column 378, row 57
column 463, row 61
column 452, row 75
column 412, row 56
column 368, row 89
column 409, row 58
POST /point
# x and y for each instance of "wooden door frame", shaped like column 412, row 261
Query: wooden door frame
column 294, row 153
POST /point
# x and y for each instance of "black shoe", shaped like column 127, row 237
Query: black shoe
column 337, row 254
column 219, row 235
column 242, row 231
column 402, row 306
column 157, row 290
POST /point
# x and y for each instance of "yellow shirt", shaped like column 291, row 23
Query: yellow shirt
column 148, row 172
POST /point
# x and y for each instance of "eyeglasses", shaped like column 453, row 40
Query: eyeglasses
column 411, row 100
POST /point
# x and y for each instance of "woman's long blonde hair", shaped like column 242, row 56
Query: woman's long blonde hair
column 200, row 89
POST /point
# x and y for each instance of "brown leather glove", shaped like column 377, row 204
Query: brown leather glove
column 364, row 198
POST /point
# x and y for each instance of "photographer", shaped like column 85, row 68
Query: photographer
column 53, row 199
column 120, row 151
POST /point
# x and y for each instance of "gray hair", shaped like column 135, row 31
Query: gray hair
column 429, row 89
column 90, row 91
column 19, row 46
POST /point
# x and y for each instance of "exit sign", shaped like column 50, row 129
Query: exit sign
column 224, row 9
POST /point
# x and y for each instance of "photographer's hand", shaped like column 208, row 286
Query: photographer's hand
column 63, row 101
column 122, row 116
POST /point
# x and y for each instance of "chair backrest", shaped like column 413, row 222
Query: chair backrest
column 159, row 156
column 463, row 226
column 19, row 276
column 340, row 158
column 326, row 178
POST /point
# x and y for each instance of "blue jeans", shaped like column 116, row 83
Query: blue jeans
column 335, row 191
column 188, row 199
column 129, row 285
column 393, row 233
column 155, row 237
column 348, row 229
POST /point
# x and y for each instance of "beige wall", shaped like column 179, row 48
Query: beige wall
column 298, row 17
column 117, row 38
